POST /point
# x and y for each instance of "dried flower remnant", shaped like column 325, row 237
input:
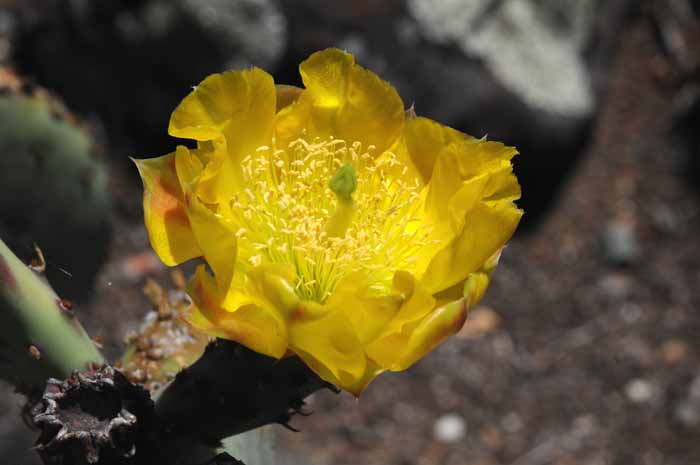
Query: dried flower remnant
column 335, row 227
column 93, row 417
column 164, row 344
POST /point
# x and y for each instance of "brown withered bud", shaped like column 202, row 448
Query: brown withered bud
column 94, row 417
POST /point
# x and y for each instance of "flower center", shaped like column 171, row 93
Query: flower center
column 329, row 208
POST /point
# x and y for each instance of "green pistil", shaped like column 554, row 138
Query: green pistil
column 343, row 184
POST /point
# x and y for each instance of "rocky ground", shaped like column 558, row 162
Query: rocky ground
column 586, row 349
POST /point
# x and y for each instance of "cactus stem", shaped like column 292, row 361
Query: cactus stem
column 6, row 276
column 37, row 341
column 253, row 390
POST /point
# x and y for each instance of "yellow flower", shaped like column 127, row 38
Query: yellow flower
column 335, row 226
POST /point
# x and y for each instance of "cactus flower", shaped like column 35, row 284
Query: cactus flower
column 334, row 225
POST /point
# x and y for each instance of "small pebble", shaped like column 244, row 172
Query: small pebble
column 688, row 410
column 512, row 422
column 616, row 286
column 688, row 413
column 450, row 428
column 639, row 391
column 620, row 243
column 674, row 350
column 492, row 437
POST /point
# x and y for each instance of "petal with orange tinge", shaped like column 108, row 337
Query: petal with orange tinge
column 165, row 214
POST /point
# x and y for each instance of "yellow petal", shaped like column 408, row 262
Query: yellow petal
column 405, row 170
column 470, row 198
column 188, row 166
column 329, row 345
column 388, row 347
column 256, row 327
column 487, row 228
column 164, row 210
column 345, row 381
column 356, row 387
column 417, row 301
column 474, row 287
column 273, row 283
column 368, row 312
column 425, row 139
column 216, row 236
column 442, row 323
column 243, row 100
column 387, row 350
column 326, row 76
column 236, row 109
column 344, row 101
column 464, row 161
column 220, row 177
column 286, row 95
column 373, row 112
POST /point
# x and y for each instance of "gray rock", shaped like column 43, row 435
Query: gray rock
column 534, row 48
column 255, row 28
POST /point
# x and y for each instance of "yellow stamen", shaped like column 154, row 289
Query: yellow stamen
column 328, row 208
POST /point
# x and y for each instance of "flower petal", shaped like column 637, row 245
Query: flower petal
column 165, row 215
column 241, row 100
column 273, row 284
column 369, row 313
column 188, row 167
column 432, row 331
column 388, row 347
column 487, row 228
column 286, row 95
column 462, row 161
column 474, row 287
column 344, row 101
column 356, row 387
column 213, row 232
column 470, row 198
column 236, row 109
column 417, row 302
column 425, row 139
column 254, row 326
column 330, row 347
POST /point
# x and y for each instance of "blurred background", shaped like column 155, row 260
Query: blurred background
column 586, row 350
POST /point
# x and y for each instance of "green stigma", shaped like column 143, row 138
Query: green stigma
column 344, row 182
